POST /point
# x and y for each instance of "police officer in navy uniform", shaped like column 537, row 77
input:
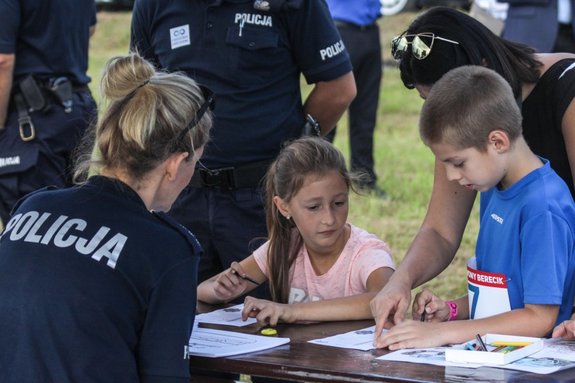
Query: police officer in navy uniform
column 45, row 104
column 97, row 283
column 251, row 54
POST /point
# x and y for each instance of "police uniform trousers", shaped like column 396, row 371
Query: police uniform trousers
column 229, row 224
column 565, row 41
column 46, row 159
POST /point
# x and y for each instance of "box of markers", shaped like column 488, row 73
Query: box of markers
column 501, row 349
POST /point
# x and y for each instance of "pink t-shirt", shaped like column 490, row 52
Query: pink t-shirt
column 362, row 254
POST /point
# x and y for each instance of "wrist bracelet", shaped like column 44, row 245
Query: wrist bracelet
column 453, row 310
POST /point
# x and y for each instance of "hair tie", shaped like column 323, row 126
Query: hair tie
column 142, row 84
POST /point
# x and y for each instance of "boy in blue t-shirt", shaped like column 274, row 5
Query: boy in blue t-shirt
column 522, row 279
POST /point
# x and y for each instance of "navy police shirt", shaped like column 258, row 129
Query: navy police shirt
column 49, row 37
column 95, row 288
column 251, row 58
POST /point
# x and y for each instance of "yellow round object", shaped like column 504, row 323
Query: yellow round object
column 269, row 332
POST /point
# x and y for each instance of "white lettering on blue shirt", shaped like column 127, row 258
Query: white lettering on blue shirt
column 9, row 161
column 64, row 232
column 253, row 18
column 332, row 50
column 497, row 218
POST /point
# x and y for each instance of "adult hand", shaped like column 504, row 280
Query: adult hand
column 389, row 307
column 436, row 310
column 267, row 313
column 565, row 330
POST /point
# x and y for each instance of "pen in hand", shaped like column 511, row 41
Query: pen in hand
column 244, row 277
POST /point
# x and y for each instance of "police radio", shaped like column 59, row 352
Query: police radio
column 61, row 88
column 311, row 127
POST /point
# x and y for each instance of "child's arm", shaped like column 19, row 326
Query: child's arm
column 565, row 330
column 346, row 308
column 533, row 320
column 231, row 283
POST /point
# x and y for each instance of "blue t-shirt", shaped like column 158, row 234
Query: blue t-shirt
column 49, row 37
column 527, row 232
column 359, row 12
column 95, row 288
column 251, row 59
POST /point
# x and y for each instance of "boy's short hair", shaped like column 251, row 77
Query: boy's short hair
column 465, row 105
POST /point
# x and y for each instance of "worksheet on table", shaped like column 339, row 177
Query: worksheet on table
column 219, row 343
column 361, row 339
column 229, row 316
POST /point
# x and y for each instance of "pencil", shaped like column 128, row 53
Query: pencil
column 518, row 344
column 499, row 348
column 481, row 344
column 508, row 349
column 245, row 277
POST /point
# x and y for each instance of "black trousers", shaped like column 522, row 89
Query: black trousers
column 565, row 41
column 364, row 48
column 46, row 160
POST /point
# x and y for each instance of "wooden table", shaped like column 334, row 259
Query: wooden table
column 307, row 362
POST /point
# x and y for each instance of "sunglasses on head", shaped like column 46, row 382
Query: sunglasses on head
column 421, row 44
column 209, row 103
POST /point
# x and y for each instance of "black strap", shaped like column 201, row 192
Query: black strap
column 25, row 125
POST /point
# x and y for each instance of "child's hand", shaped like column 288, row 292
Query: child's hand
column 565, row 330
column 266, row 312
column 413, row 334
column 436, row 310
column 229, row 284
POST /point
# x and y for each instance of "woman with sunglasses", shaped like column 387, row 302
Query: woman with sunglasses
column 544, row 85
column 97, row 283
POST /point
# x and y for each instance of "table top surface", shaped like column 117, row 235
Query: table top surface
column 303, row 361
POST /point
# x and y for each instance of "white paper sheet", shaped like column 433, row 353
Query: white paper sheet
column 435, row 356
column 359, row 339
column 229, row 316
column 556, row 355
column 219, row 343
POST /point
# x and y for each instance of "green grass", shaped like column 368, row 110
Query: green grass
column 403, row 163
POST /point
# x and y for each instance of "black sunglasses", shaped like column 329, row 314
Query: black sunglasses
column 421, row 44
column 209, row 103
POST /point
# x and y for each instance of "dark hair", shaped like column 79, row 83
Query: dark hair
column 477, row 46
column 309, row 156
column 457, row 114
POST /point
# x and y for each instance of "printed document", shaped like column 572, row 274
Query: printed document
column 229, row 316
column 358, row 340
column 219, row 343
